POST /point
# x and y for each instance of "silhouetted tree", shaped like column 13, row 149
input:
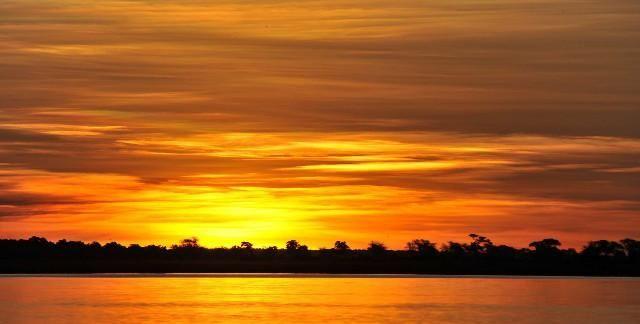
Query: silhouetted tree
column 377, row 248
column 479, row 244
column 292, row 245
column 341, row 246
column 632, row 248
column 246, row 245
column 188, row 247
column 546, row 245
column 155, row 251
column 297, row 250
column 603, row 248
column 38, row 246
column 422, row 247
column 135, row 250
column 94, row 246
column 545, row 249
column 114, row 249
column 189, row 243
column 454, row 249
column 39, row 242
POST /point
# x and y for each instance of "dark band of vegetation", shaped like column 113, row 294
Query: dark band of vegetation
column 479, row 256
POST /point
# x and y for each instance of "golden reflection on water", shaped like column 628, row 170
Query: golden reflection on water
column 317, row 299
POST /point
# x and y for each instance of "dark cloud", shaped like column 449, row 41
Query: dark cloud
column 9, row 136
column 503, row 67
column 29, row 200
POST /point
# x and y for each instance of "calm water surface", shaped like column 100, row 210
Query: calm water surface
column 276, row 298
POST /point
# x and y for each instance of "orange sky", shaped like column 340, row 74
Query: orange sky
column 317, row 120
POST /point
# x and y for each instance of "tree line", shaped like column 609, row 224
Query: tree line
column 477, row 256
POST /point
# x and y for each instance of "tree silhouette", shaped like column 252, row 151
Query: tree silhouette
column 246, row 245
column 422, row 247
column 189, row 243
column 377, row 248
column 341, row 246
column 292, row 245
column 454, row 249
column 479, row 245
column 294, row 248
column 632, row 248
column 547, row 247
column 604, row 248
column 114, row 248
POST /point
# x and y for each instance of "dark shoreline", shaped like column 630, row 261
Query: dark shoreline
column 479, row 257
column 318, row 266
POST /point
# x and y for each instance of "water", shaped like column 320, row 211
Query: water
column 303, row 298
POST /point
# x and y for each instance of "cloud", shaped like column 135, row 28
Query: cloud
column 17, row 136
column 375, row 66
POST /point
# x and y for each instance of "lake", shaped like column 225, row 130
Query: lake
column 316, row 298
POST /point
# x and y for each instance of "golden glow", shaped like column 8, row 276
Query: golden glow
column 314, row 299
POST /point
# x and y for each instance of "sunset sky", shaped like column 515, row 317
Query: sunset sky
column 317, row 120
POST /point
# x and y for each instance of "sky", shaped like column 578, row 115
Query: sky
column 320, row 120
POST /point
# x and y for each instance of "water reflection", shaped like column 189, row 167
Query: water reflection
column 317, row 299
